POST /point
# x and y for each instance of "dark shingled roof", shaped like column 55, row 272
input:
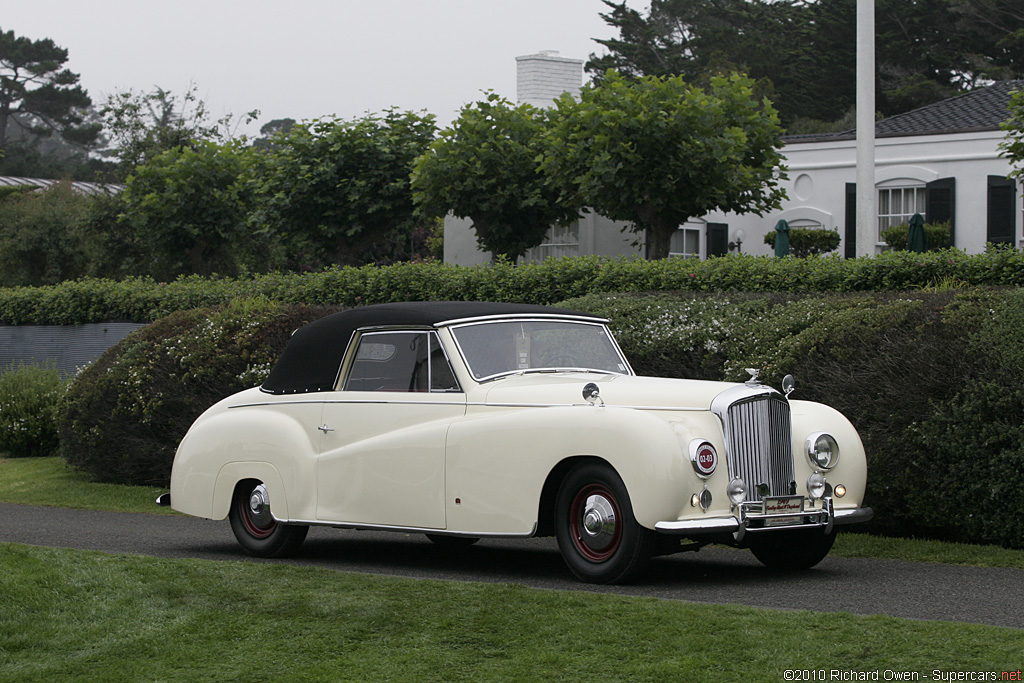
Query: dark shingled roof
column 978, row 110
column 312, row 359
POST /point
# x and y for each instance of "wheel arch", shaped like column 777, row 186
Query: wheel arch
column 233, row 474
column 553, row 482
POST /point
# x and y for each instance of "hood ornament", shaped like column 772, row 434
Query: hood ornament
column 754, row 372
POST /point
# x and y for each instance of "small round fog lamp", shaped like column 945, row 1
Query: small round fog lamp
column 816, row 485
column 840, row 491
column 737, row 491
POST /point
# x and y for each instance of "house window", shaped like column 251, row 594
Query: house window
column 561, row 240
column 685, row 242
column 896, row 205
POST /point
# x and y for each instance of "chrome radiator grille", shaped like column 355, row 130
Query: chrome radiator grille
column 759, row 444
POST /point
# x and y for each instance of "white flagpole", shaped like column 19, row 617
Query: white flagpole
column 867, row 222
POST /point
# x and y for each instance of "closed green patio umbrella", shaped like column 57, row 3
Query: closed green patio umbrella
column 782, row 238
column 916, row 239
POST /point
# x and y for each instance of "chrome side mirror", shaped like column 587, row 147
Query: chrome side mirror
column 788, row 385
column 591, row 394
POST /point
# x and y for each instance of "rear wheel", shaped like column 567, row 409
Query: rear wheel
column 254, row 526
column 598, row 536
column 796, row 549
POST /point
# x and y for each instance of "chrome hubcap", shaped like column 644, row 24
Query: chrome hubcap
column 259, row 500
column 599, row 522
column 259, row 508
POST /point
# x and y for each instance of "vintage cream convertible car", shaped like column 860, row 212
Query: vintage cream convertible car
column 467, row 420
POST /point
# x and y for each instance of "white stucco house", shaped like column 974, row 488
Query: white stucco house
column 941, row 161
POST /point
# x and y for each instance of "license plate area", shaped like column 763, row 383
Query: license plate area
column 783, row 505
column 783, row 510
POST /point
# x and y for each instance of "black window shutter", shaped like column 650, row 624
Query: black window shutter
column 1002, row 196
column 718, row 239
column 850, row 243
column 941, row 204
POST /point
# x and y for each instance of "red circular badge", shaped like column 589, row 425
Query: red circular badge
column 705, row 459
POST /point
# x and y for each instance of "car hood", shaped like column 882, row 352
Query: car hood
column 616, row 390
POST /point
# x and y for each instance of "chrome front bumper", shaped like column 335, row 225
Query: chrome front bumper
column 751, row 517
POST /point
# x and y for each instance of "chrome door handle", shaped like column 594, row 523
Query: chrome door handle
column 324, row 428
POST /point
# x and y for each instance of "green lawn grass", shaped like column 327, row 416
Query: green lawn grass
column 87, row 616
column 49, row 481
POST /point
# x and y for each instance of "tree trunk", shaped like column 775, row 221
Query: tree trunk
column 659, row 239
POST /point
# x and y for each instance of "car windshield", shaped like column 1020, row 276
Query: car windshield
column 493, row 349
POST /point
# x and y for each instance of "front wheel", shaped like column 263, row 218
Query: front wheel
column 796, row 549
column 598, row 536
column 256, row 530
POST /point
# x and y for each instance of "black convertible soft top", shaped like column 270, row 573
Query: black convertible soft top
column 312, row 359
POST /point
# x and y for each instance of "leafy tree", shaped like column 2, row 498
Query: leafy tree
column 994, row 22
column 143, row 125
column 1013, row 146
column 187, row 209
column 42, row 236
column 805, row 52
column 271, row 130
column 657, row 151
column 336, row 190
column 486, row 168
column 698, row 39
column 37, row 94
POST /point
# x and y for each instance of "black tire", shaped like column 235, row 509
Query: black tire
column 796, row 549
column 598, row 536
column 452, row 542
column 256, row 530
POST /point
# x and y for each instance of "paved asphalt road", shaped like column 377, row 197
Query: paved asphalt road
column 715, row 575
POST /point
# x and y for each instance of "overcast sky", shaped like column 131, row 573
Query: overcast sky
column 305, row 59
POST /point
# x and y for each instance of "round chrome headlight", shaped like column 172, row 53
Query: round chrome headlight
column 823, row 450
column 737, row 491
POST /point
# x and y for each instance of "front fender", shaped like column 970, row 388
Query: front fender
column 499, row 460
column 809, row 417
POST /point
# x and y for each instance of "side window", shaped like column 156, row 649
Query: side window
column 400, row 361
column 442, row 377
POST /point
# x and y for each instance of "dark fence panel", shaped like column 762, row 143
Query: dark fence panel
column 69, row 347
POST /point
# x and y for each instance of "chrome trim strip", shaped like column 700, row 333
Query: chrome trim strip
column 522, row 317
column 827, row 517
column 475, row 404
column 709, row 525
column 406, row 529
column 850, row 516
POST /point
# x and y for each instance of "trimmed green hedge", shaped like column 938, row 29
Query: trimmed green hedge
column 143, row 300
column 938, row 235
column 805, row 242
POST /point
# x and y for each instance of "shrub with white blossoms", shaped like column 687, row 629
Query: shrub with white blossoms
column 29, row 394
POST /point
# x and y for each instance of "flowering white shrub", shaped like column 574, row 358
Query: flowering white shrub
column 28, row 409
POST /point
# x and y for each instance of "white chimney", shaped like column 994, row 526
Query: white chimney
column 542, row 77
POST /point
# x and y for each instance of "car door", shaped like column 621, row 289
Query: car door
column 382, row 449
